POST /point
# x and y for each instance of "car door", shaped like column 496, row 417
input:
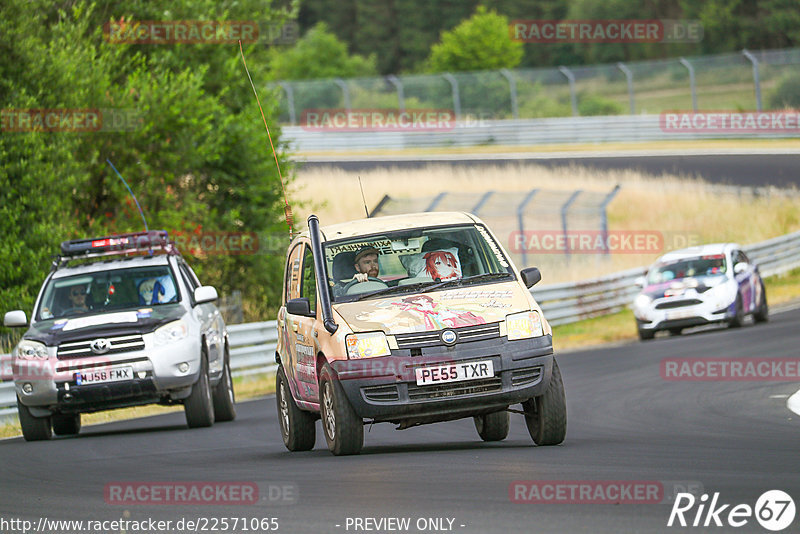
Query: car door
column 746, row 280
column 211, row 324
column 306, row 345
column 289, row 324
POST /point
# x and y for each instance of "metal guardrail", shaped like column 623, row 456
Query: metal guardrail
column 253, row 344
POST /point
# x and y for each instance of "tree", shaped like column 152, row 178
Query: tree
column 481, row 42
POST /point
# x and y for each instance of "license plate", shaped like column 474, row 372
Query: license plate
column 679, row 314
column 115, row 374
column 454, row 372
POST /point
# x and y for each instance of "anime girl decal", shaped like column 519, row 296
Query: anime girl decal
column 435, row 318
column 442, row 264
column 150, row 291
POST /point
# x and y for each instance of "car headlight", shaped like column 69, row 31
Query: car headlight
column 642, row 301
column 366, row 345
column 170, row 333
column 31, row 350
column 524, row 325
column 722, row 295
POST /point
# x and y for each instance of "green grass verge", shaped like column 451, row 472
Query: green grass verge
column 612, row 328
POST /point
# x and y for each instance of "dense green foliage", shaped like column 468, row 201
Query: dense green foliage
column 197, row 156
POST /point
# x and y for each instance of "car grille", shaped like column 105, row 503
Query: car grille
column 381, row 393
column 82, row 349
column 522, row 377
column 677, row 303
column 455, row 389
column 465, row 334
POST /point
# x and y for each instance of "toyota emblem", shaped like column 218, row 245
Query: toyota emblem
column 449, row 337
column 100, row 345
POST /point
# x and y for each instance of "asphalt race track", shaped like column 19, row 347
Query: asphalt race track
column 625, row 423
column 751, row 170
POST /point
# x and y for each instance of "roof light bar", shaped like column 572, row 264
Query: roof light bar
column 117, row 244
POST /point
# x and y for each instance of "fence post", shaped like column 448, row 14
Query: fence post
column 572, row 96
column 456, row 97
column 345, row 92
column 290, row 100
column 401, row 101
column 436, row 201
column 629, row 76
column 692, row 84
column 481, row 202
column 604, row 215
column 564, row 210
column 756, row 79
column 521, row 220
column 512, row 87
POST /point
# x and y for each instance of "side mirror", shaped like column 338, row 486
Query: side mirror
column 640, row 280
column 740, row 267
column 299, row 306
column 530, row 276
column 205, row 294
column 15, row 318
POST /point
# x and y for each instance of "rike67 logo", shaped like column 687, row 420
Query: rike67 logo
column 774, row 510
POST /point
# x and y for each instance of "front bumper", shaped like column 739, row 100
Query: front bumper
column 385, row 389
column 652, row 319
column 51, row 384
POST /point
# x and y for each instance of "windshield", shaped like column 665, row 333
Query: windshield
column 414, row 260
column 102, row 291
column 713, row 265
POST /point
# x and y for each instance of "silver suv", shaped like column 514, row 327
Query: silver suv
column 120, row 321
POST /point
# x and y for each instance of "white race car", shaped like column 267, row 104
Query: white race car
column 699, row 285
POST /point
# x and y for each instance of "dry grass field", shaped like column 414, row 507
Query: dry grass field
column 682, row 210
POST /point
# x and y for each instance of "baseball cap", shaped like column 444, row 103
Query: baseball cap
column 363, row 251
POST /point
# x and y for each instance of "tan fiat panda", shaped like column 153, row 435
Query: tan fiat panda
column 411, row 319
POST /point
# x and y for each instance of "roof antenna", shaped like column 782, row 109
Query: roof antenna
column 131, row 192
column 362, row 196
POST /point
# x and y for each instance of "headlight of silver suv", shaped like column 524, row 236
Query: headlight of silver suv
column 170, row 333
column 31, row 350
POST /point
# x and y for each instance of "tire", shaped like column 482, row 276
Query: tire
column 199, row 406
column 492, row 426
column 546, row 415
column 298, row 427
column 66, row 425
column 33, row 428
column 761, row 315
column 675, row 331
column 645, row 335
column 343, row 429
column 738, row 318
column 223, row 397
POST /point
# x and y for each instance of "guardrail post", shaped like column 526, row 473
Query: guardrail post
column 287, row 88
column 629, row 76
column 604, row 216
column 521, row 220
column 345, row 92
column 756, row 78
column 401, row 101
column 692, row 83
column 436, row 201
column 512, row 87
column 456, row 96
column 572, row 95
column 481, row 202
column 564, row 210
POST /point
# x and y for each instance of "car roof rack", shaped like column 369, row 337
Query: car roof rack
column 146, row 243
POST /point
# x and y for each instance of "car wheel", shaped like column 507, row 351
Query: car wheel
column 645, row 335
column 761, row 314
column 65, row 425
column 344, row 430
column 199, row 406
column 546, row 415
column 675, row 331
column 738, row 317
column 33, row 428
column 298, row 427
column 223, row 397
column 492, row 426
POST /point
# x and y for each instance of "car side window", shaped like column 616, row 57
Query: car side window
column 293, row 273
column 190, row 281
column 308, row 288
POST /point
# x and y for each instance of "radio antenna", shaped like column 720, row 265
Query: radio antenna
column 362, row 196
column 131, row 192
column 287, row 210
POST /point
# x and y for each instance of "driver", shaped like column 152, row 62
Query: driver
column 77, row 299
column 366, row 264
